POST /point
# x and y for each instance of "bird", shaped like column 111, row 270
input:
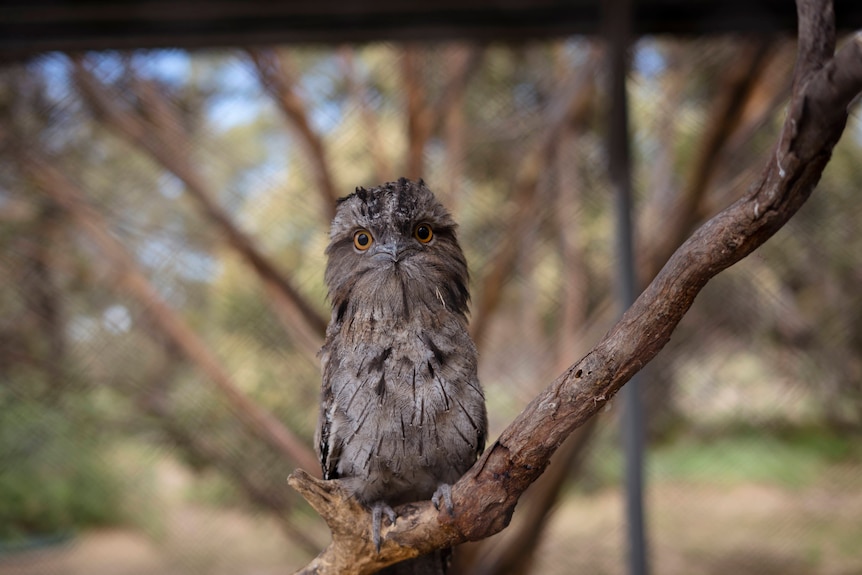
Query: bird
column 402, row 414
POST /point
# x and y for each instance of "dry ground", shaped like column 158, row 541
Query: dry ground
column 694, row 529
column 739, row 530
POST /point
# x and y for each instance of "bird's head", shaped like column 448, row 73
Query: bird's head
column 395, row 245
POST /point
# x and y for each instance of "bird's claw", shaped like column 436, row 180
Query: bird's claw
column 377, row 511
column 444, row 495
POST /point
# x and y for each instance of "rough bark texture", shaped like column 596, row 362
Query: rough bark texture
column 485, row 497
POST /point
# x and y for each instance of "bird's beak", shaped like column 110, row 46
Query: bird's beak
column 389, row 251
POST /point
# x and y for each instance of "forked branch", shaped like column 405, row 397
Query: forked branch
column 485, row 497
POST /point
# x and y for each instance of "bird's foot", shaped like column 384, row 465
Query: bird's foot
column 377, row 511
column 443, row 495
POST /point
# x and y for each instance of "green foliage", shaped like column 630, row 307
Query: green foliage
column 54, row 477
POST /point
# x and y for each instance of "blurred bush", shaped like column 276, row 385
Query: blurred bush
column 54, row 479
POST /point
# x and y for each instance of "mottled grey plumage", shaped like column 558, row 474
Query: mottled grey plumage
column 402, row 413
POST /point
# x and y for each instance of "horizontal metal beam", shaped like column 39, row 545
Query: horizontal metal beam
column 28, row 28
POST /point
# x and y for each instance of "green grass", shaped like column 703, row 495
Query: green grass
column 793, row 458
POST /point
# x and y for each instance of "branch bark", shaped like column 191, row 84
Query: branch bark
column 485, row 497
column 515, row 554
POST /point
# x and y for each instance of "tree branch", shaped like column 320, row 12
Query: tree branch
column 514, row 551
column 132, row 280
column 485, row 497
column 278, row 81
column 424, row 118
column 733, row 92
column 165, row 145
column 359, row 92
column 570, row 106
column 515, row 554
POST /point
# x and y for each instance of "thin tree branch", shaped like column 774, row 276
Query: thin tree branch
column 134, row 283
column 304, row 324
column 278, row 81
column 424, row 118
column 359, row 94
column 568, row 224
column 461, row 61
column 178, row 431
column 734, row 90
column 418, row 112
column 154, row 399
column 570, row 106
column 485, row 497
column 451, row 117
column 514, row 550
column 454, row 132
column 769, row 93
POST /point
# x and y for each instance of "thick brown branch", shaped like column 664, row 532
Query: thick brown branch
column 485, row 497
column 352, row 552
column 515, row 554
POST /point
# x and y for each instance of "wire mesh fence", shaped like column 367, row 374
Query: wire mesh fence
column 164, row 217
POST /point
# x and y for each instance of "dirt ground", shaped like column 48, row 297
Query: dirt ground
column 693, row 529
column 740, row 530
column 197, row 541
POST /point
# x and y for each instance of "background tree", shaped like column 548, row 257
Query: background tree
column 164, row 215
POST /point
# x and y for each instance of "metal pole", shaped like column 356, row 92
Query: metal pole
column 618, row 20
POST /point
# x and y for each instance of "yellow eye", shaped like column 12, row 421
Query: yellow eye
column 423, row 233
column 362, row 240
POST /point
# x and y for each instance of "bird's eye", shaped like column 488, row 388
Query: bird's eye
column 362, row 240
column 423, row 233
